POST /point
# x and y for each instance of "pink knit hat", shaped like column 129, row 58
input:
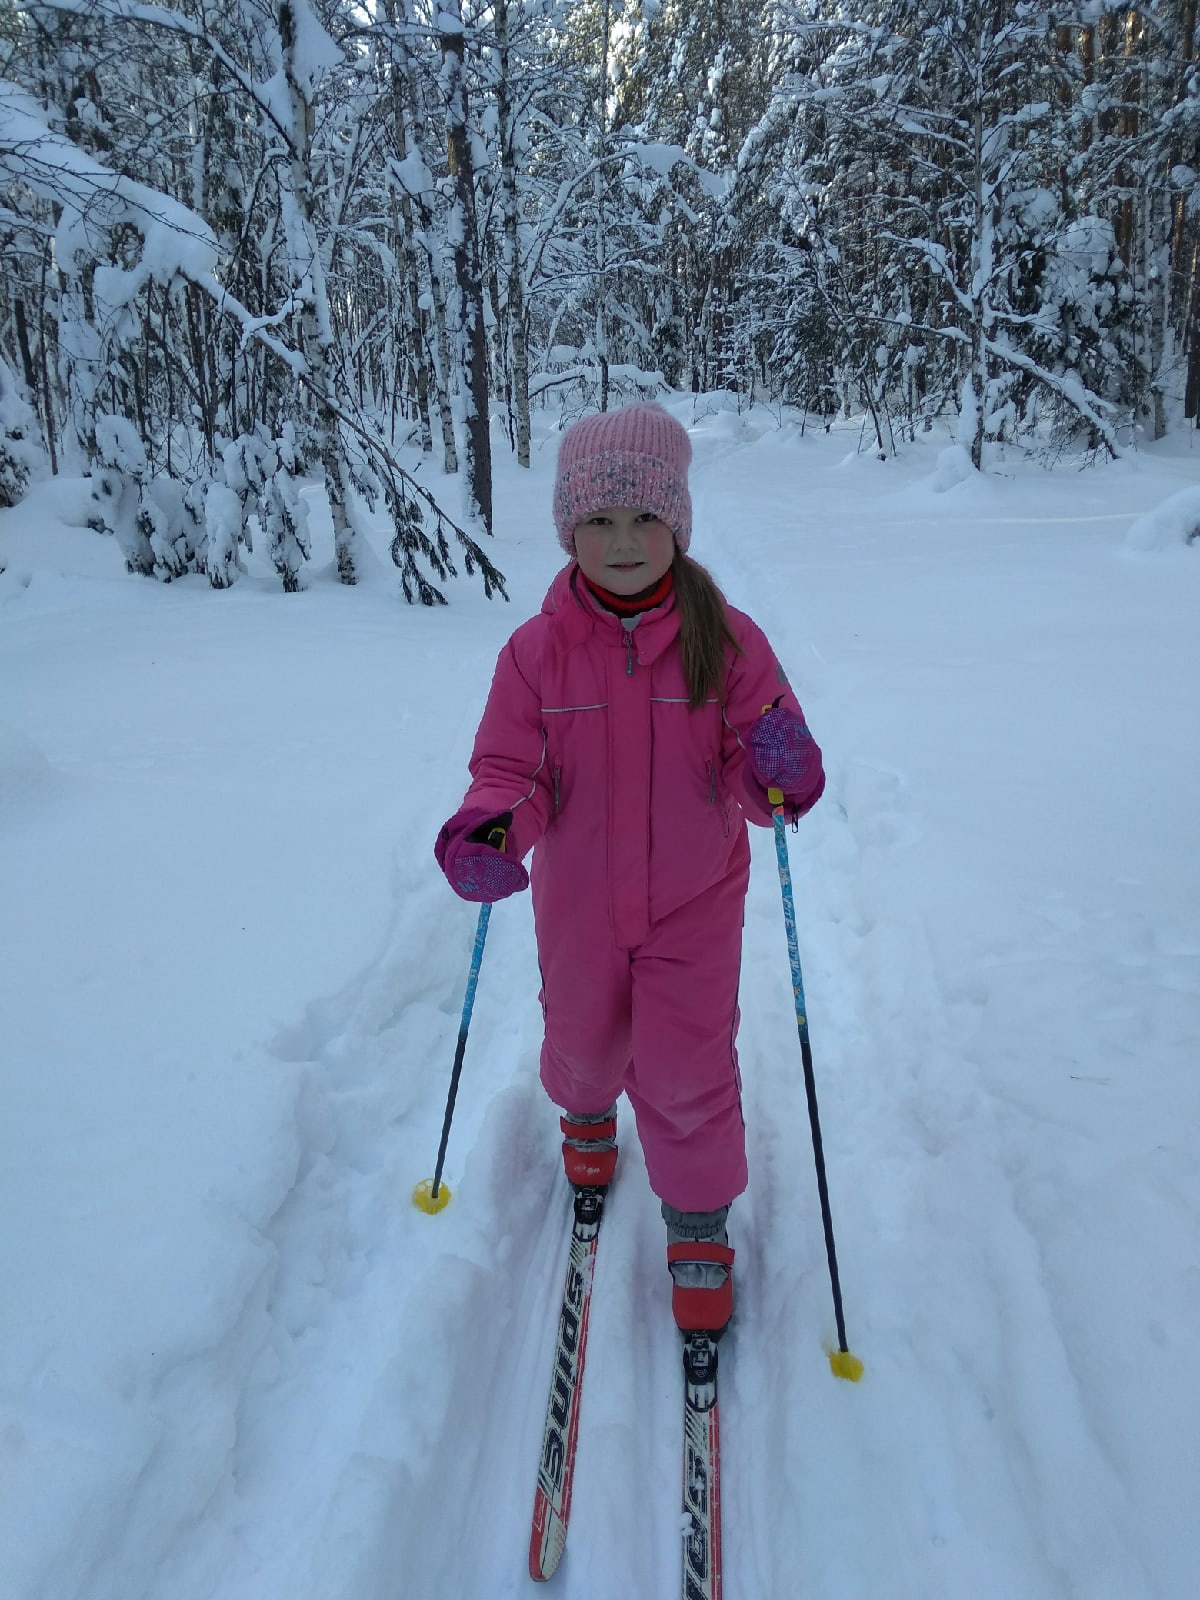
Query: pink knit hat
column 634, row 457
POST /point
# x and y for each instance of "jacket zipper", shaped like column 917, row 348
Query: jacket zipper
column 556, row 775
column 628, row 649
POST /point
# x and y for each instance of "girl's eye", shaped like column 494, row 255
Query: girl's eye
column 645, row 516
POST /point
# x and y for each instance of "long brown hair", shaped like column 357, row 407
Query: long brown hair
column 704, row 632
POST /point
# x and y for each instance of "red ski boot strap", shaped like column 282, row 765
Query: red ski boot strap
column 589, row 1131
column 702, row 1308
column 720, row 1255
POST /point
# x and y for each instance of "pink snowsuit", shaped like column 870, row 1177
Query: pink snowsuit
column 636, row 805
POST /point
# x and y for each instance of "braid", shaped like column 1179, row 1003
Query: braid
column 704, row 631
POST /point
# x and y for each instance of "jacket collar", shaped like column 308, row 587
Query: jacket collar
column 580, row 615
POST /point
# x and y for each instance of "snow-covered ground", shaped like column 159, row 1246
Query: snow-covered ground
column 237, row 1364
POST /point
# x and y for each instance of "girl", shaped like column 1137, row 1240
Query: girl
column 631, row 729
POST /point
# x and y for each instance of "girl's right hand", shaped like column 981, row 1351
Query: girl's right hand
column 471, row 850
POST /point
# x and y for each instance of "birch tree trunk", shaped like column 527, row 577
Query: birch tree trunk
column 518, row 343
column 974, row 400
column 308, row 281
column 1156, row 226
column 1189, row 325
column 468, row 276
column 1181, row 285
column 601, row 226
column 411, row 139
column 406, row 250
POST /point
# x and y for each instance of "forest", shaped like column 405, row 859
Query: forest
column 257, row 245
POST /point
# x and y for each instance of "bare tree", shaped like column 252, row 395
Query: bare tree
column 471, row 329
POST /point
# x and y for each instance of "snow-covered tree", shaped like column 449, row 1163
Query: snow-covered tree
column 18, row 437
column 283, row 240
column 228, row 347
column 921, row 148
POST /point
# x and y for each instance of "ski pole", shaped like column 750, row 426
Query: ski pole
column 842, row 1363
column 431, row 1194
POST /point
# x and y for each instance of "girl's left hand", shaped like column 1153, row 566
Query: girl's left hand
column 783, row 753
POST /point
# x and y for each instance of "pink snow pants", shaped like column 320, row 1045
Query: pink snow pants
column 659, row 1022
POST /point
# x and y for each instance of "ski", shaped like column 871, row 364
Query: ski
column 556, row 1469
column 701, row 1470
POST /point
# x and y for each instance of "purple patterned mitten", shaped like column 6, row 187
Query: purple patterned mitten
column 783, row 752
column 475, row 869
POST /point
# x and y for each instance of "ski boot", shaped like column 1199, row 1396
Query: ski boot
column 700, row 1259
column 589, row 1148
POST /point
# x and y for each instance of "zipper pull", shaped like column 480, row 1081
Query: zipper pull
column 628, row 649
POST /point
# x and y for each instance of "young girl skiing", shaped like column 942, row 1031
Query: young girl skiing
column 631, row 728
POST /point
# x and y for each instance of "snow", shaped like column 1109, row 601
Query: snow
column 314, row 54
column 662, row 159
column 119, row 444
column 235, row 1360
column 412, row 174
column 1175, row 521
column 953, row 467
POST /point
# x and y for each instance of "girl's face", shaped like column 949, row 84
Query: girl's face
column 624, row 550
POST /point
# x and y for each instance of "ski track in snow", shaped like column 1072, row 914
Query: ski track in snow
column 1016, row 1425
column 398, row 1341
column 385, row 1376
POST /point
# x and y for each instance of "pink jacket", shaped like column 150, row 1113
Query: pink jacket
column 635, row 802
